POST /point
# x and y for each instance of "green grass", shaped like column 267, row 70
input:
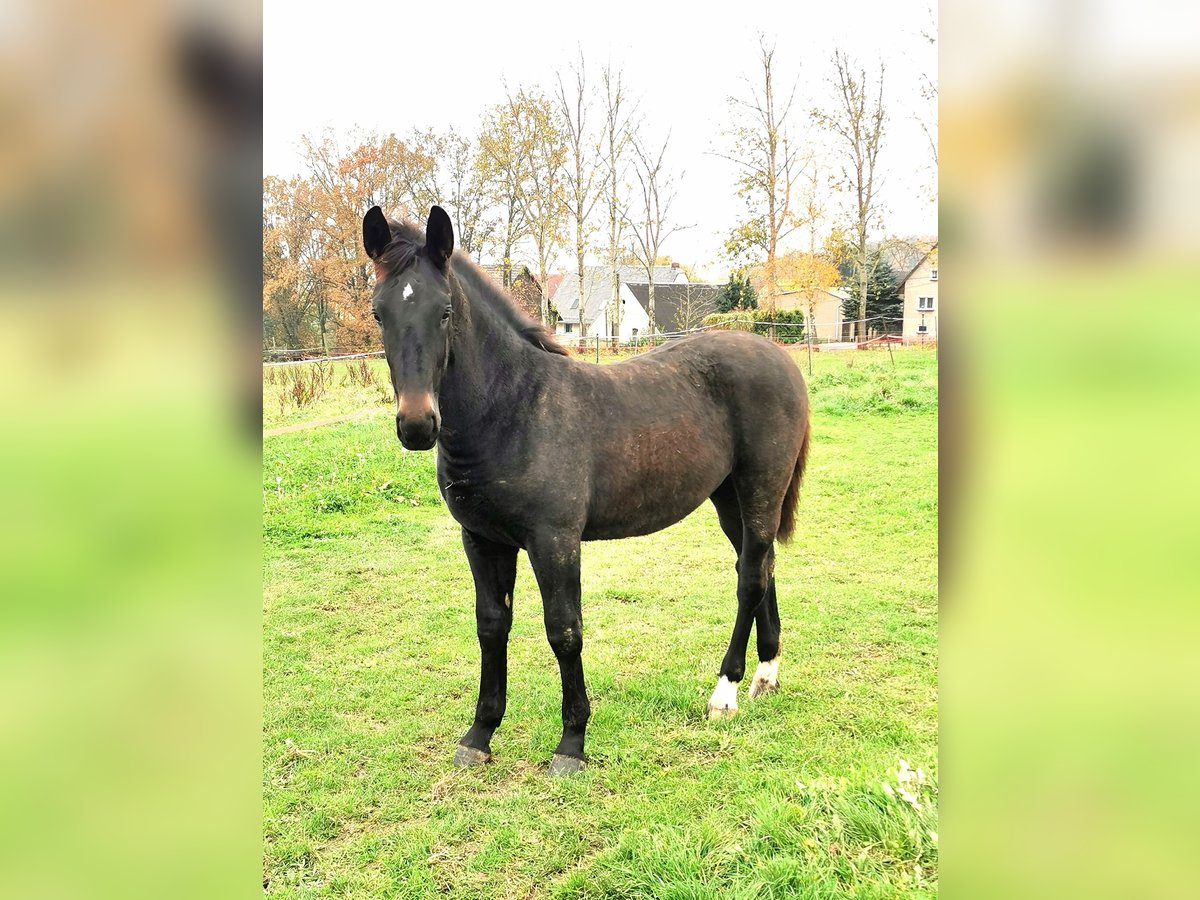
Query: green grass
column 371, row 668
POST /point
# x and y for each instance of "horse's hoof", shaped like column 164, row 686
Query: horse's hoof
column 766, row 678
column 762, row 687
column 723, row 702
column 721, row 712
column 566, row 765
column 470, row 756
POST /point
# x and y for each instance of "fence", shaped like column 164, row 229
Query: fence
column 881, row 331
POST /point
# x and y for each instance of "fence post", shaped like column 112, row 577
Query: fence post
column 597, row 349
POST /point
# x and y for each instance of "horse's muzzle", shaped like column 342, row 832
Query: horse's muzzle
column 418, row 432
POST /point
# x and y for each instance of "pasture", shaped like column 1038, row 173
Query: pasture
column 371, row 668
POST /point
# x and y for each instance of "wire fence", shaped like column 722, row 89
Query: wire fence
column 879, row 331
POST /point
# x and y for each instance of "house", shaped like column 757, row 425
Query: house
column 919, row 288
column 598, row 316
column 525, row 289
column 825, row 319
column 679, row 306
column 496, row 271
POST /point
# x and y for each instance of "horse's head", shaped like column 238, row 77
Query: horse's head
column 412, row 306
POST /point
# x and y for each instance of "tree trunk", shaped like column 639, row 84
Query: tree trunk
column 291, row 331
column 613, row 225
column 616, row 298
column 653, row 322
column 542, row 276
column 579, row 263
column 510, row 240
column 862, row 292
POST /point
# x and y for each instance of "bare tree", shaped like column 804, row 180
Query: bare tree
column 648, row 220
column 697, row 302
column 468, row 196
column 541, row 142
column 582, row 191
column 929, row 93
column 614, row 149
column 857, row 122
column 815, row 272
column 502, row 166
column 421, row 169
column 768, row 159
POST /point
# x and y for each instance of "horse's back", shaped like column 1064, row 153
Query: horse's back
column 739, row 368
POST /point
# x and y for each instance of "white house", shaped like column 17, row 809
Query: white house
column 597, row 313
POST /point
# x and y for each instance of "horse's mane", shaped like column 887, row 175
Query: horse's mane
column 408, row 239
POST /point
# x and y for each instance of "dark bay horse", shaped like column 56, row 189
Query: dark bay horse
column 720, row 416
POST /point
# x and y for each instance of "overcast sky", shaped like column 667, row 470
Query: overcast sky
column 389, row 67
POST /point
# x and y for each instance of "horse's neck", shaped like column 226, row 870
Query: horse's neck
column 487, row 379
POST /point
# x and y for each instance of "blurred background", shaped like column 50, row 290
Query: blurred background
column 130, row 229
column 1069, row 678
column 129, row 600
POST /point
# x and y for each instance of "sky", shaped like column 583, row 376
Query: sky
column 390, row 67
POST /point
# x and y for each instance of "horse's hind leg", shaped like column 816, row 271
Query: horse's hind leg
column 723, row 701
column 766, row 676
column 756, row 604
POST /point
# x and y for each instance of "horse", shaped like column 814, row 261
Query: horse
column 715, row 416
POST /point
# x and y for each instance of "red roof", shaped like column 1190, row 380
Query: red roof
column 553, row 282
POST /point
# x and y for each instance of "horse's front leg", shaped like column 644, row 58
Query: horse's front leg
column 495, row 569
column 555, row 561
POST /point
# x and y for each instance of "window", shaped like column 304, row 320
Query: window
column 933, row 277
column 567, row 327
column 925, row 303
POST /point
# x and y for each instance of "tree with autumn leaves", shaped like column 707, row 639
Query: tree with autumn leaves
column 316, row 276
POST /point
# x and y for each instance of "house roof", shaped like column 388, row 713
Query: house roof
column 598, row 289
column 915, row 266
column 669, row 298
column 496, row 271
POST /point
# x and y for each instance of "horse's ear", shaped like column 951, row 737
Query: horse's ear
column 377, row 234
column 439, row 237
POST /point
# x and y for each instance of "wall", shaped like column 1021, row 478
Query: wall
column 921, row 284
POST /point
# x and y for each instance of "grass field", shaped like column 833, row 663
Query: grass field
column 371, row 668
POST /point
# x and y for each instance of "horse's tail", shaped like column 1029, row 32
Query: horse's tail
column 787, row 516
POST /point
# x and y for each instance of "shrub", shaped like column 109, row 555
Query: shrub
column 789, row 323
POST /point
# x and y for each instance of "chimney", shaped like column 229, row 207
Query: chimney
column 674, row 265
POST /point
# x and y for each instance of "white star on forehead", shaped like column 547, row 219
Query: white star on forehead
column 408, row 291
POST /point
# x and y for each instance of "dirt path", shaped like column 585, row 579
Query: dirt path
column 317, row 423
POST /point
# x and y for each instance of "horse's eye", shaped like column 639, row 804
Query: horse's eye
column 446, row 314
column 376, row 315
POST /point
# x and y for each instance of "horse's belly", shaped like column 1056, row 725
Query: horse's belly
column 645, row 509
column 642, row 522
